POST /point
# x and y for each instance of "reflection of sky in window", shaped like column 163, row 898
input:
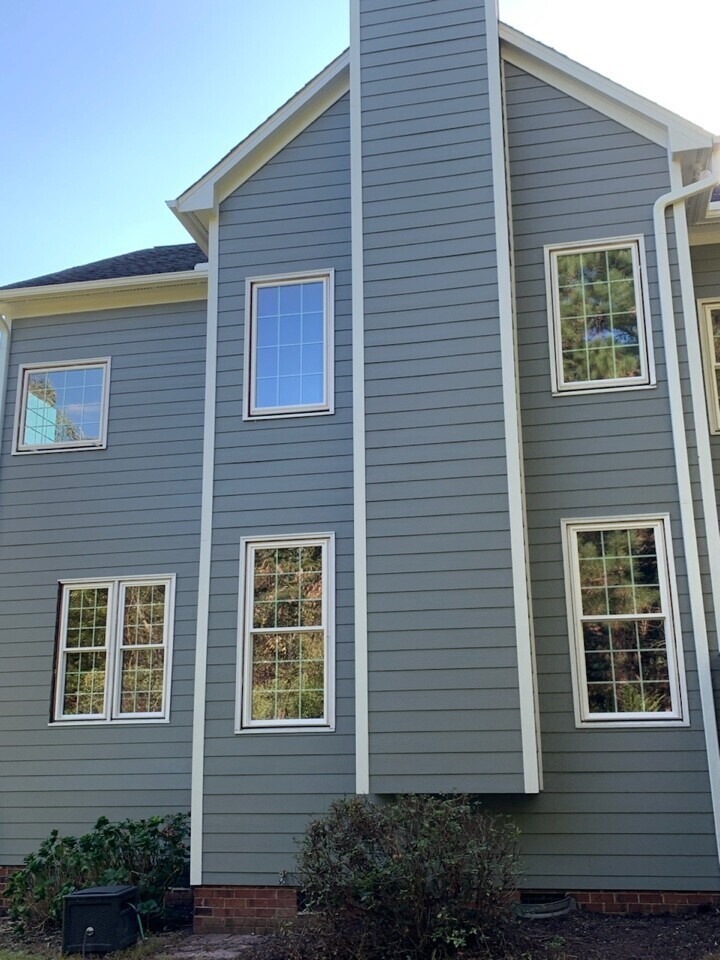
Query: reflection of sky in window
column 290, row 349
column 63, row 406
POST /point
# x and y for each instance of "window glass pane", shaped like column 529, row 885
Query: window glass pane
column 144, row 615
column 143, row 674
column 84, row 689
column 86, row 617
column 598, row 322
column 289, row 355
column 287, row 668
column 63, row 406
column 624, row 627
column 715, row 321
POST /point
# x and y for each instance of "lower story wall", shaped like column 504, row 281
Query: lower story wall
column 253, row 909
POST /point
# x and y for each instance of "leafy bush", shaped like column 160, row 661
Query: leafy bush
column 419, row 877
column 148, row 853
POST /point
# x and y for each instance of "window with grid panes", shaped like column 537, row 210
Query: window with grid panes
column 599, row 324
column 288, row 369
column 286, row 639
column 62, row 406
column 624, row 625
column 114, row 650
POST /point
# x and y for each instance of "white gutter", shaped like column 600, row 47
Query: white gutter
column 687, row 509
column 5, row 335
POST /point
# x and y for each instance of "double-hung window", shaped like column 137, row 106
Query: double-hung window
column 62, row 406
column 286, row 637
column 622, row 609
column 114, row 649
column 289, row 345
column 599, row 316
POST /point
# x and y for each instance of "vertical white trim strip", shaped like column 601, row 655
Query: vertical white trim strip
column 206, row 519
column 687, row 511
column 362, row 717
column 5, row 337
column 511, row 411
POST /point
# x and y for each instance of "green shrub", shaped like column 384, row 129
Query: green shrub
column 419, row 877
column 148, row 853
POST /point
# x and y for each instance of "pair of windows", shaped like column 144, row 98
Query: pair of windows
column 599, row 316
column 114, row 641
column 114, row 649
column 622, row 608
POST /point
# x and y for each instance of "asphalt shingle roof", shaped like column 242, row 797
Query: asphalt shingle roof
column 170, row 259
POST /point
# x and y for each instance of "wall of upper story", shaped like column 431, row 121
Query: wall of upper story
column 613, row 799
column 443, row 676
column 706, row 276
column 276, row 477
column 131, row 509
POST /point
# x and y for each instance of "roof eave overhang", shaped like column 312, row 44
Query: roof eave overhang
column 196, row 205
column 649, row 119
column 85, row 295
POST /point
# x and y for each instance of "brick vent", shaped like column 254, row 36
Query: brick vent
column 243, row 909
column 644, row 901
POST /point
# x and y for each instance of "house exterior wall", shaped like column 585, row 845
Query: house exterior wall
column 131, row 509
column 443, row 674
column 627, row 807
column 278, row 477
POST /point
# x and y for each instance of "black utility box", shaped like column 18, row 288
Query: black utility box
column 110, row 912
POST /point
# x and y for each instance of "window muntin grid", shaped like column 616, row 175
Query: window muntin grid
column 85, row 652
column 62, row 406
column 142, row 649
column 624, row 628
column 598, row 321
column 289, row 345
column 114, row 650
column 285, row 644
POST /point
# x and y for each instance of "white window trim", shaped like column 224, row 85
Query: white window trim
column 243, row 722
column 116, row 591
column 21, row 449
column 705, row 308
column 676, row 658
column 640, row 275
column 306, row 410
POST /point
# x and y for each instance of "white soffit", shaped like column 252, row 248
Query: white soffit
column 193, row 207
column 615, row 101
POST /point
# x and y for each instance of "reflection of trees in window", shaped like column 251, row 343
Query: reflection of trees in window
column 58, row 425
column 624, row 625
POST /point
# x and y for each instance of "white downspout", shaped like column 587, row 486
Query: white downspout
column 687, row 509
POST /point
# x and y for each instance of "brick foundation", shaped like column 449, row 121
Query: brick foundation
column 5, row 874
column 644, row 901
column 243, row 909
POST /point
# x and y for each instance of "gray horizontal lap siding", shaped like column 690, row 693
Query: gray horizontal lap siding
column 278, row 477
column 131, row 509
column 620, row 808
column 443, row 680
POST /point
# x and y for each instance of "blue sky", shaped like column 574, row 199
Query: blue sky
column 111, row 107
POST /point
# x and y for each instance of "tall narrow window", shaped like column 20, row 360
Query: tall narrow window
column 114, row 649
column 709, row 315
column 599, row 318
column 624, row 621
column 62, row 406
column 287, row 633
column 288, row 368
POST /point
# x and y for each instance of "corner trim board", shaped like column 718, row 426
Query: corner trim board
column 362, row 716
column 511, row 411
column 197, row 767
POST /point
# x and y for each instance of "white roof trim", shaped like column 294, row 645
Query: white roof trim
column 192, row 207
column 82, row 295
column 615, row 101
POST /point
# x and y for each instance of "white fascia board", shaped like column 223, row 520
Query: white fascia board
column 269, row 138
column 704, row 233
column 650, row 120
column 82, row 295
